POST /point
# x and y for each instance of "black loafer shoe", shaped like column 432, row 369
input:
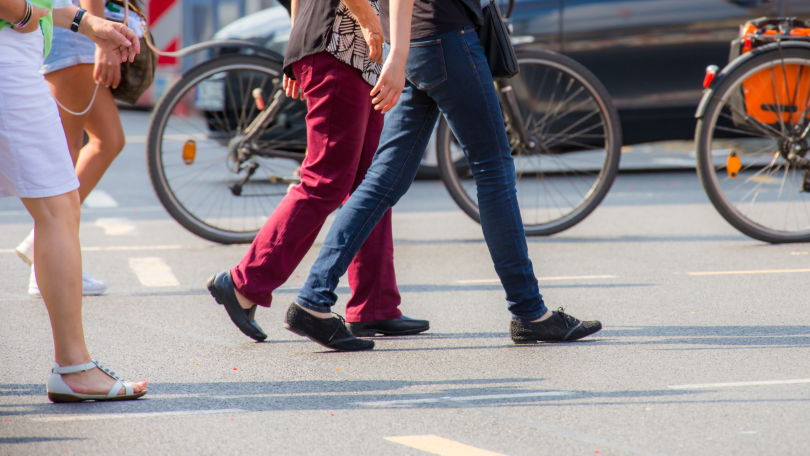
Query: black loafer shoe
column 401, row 326
column 559, row 327
column 221, row 288
column 329, row 332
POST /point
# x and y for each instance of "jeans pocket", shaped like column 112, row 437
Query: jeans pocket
column 425, row 66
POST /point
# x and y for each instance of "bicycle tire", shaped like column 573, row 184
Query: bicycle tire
column 705, row 158
column 157, row 123
column 448, row 168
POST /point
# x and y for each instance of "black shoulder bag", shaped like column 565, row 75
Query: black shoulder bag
column 497, row 46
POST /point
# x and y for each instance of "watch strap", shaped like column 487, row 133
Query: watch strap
column 74, row 26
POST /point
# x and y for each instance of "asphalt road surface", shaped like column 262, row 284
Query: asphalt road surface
column 687, row 363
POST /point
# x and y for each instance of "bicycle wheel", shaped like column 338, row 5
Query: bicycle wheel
column 209, row 180
column 751, row 146
column 571, row 118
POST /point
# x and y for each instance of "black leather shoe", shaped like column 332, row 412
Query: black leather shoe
column 401, row 326
column 221, row 288
column 559, row 327
column 329, row 332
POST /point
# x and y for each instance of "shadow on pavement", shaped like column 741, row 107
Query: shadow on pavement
column 336, row 395
column 8, row 440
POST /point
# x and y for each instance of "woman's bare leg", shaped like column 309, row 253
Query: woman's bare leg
column 73, row 87
column 106, row 134
column 58, row 265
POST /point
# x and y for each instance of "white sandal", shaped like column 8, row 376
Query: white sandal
column 59, row 391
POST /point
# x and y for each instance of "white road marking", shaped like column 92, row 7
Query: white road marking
column 116, row 226
column 733, row 384
column 434, row 400
column 764, row 271
column 114, row 248
column 437, row 445
column 153, row 272
column 170, row 137
column 113, row 416
column 93, row 210
column 99, row 198
column 543, row 278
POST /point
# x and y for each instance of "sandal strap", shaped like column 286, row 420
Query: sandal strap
column 106, row 370
column 117, row 387
column 57, row 369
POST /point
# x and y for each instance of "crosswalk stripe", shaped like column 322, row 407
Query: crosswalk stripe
column 116, row 226
column 733, row 384
column 764, row 271
column 437, row 445
column 543, row 278
column 124, row 248
column 99, row 198
column 153, row 272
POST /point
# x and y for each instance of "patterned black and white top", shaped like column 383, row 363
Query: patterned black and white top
column 349, row 46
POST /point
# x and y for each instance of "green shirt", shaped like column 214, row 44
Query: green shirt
column 46, row 23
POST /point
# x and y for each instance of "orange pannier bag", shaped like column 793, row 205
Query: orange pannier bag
column 776, row 90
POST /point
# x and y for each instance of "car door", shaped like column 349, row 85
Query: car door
column 652, row 54
column 536, row 24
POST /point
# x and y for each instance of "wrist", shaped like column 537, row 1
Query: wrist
column 26, row 16
column 399, row 52
column 85, row 26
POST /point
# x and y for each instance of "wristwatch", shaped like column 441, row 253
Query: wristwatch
column 74, row 26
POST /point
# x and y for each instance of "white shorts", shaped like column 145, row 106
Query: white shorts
column 34, row 157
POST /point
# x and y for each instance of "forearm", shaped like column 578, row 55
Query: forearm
column 293, row 9
column 12, row 10
column 94, row 7
column 400, row 33
column 363, row 11
column 63, row 17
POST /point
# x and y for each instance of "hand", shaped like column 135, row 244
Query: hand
column 112, row 36
column 108, row 68
column 292, row 89
column 372, row 32
column 392, row 80
column 33, row 24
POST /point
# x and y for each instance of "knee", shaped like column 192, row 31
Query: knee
column 110, row 145
column 329, row 190
column 61, row 210
column 69, row 210
column 495, row 170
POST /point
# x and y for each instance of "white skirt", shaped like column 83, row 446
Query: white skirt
column 34, row 157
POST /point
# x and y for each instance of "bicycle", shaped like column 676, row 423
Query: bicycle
column 224, row 143
column 566, row 141
column 752, row 132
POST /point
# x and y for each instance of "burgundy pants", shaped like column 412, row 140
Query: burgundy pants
column 343, row 131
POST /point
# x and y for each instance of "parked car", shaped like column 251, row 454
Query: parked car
column 650, row 54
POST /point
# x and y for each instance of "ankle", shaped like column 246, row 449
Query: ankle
column 74, row 360
column 545, row 316
column 322, row 315
column 246, row 303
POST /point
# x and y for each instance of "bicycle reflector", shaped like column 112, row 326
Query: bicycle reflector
column 711, row 70
column 733, row 164
column 189, row 151
column 257, row 97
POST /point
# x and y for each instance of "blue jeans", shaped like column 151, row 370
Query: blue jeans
column 445, row 73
